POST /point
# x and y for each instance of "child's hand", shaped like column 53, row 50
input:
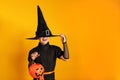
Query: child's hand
column 63, row 38
column 34, row 55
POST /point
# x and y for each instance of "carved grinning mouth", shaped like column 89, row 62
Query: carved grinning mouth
column 37, row 74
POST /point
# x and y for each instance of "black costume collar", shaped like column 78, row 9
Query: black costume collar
column 43, row 46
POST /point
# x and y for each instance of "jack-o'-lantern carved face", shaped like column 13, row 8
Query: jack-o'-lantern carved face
column 36, row 70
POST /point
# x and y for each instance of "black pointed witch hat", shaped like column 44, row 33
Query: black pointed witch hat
column 42, row 28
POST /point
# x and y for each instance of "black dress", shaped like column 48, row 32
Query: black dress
column 48, row 55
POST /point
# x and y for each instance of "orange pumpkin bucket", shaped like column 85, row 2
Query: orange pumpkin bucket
column 36, row 71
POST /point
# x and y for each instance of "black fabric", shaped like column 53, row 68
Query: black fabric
column 66, row 52
column 48, row 77
column 48, row 55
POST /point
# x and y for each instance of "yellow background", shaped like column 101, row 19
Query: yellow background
column 92, row 28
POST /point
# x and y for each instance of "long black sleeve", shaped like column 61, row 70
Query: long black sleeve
column 29, row 57
column 66, row 52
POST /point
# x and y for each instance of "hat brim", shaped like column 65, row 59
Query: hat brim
column 35, row 38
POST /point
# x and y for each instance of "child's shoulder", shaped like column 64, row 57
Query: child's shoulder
column 55, row 46
column 34, row 49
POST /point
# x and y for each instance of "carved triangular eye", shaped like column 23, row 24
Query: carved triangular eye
column 37, row 69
